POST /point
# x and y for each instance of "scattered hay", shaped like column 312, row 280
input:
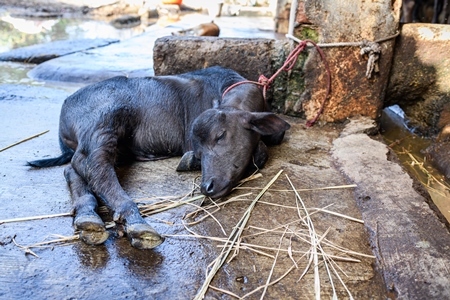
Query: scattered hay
column 56, row 240
column 420, row 163
column 315, row 253
column 310, row 248
column 160, row 204
column 24, row 140
column 165, row 204
column 232, row 241
column 36, row 218
column 438, row 186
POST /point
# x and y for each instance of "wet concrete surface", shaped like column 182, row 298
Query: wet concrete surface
column 134, row 57
column 174, row 270
column 37, row 54
column 401, row 259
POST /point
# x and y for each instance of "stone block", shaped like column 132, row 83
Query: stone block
column 420, row 75
column 352, row 93
column 40, row 53
column 249, row 57
column 177, row 54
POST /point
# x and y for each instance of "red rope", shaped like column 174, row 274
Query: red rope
column 287, row 66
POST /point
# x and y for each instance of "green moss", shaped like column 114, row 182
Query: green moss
column 277, row 92
column 307, row 33
column 296, row 84
column 287, row 88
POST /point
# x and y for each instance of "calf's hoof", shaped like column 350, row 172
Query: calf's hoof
column 143, row 236
column 92, row 229
column 189, row 162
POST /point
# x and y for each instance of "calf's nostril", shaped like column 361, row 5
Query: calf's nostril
column 208, row 187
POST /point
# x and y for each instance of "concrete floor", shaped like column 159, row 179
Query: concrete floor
column 174, row 270
column 398, row 222
column 405, row 245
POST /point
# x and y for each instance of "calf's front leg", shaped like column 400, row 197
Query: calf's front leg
column 97, row 169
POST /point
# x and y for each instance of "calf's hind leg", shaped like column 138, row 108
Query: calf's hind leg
column 96, row 167
column 86, row 220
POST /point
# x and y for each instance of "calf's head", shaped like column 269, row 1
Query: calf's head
column 227, row 142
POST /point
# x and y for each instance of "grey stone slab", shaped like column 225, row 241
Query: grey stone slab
column 40, row 53
column 132, row 57
column 420, row 75
column 409, row 240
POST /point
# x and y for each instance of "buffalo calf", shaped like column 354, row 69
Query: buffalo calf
column 153, row 118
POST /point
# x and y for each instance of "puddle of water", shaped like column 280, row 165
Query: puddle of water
column 409, row 149
column 19, row 32
column 16, row 73
column 13, row 73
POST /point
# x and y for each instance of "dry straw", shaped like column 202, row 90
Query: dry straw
column 57, row 240
column 316, row 255
column 232, row 240
column 24, row 140
column 430, row 177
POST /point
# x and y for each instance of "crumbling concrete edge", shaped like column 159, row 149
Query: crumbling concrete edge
column 410, row 242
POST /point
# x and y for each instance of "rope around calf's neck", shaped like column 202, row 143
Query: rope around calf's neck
column 265, row 82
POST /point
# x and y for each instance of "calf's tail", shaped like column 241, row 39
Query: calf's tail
column 64, row 158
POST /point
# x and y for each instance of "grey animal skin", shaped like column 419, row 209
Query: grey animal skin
column 123, row 119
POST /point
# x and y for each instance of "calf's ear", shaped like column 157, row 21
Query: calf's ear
column 265, row 123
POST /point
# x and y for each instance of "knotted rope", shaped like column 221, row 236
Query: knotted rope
column 288, row 65
column 371, row 49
